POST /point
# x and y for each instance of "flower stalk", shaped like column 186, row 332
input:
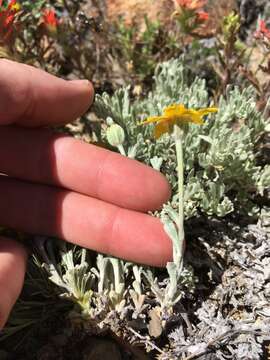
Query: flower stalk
column 178, row 135
column 175, row 120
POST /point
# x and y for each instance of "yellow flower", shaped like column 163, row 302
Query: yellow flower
column 177, row 114
column 14, row 5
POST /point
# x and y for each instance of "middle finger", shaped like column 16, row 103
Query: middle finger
column 45, row 157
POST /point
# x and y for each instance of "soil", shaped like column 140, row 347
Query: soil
column 134, row 11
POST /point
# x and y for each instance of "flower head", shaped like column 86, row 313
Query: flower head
column 202, row 16
column 50, row 20
column 14, row 6
column 191, row 4
column 177, row 114
column 190, row 15
column 7, row 17
column 262, row 31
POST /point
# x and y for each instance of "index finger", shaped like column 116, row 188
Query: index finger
column 32, row 97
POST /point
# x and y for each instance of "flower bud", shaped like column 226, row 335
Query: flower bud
column 115, row 135
column 109, row 121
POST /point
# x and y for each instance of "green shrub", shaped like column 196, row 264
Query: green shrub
column 222, row 174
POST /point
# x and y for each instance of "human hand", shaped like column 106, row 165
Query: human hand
column 60, row 186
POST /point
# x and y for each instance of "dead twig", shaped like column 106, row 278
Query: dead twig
column 146, row 340
column 227, row 335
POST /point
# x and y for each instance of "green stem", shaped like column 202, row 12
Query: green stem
column 178, row 134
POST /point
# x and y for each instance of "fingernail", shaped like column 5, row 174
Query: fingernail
column 81, row 82
column 87, row 87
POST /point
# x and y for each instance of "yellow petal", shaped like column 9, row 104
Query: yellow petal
column 153, row 119
column 207, row 111
column 16, row 7
column 177, row 114
column 161, row 128
column 174, row 110
column 196, row 119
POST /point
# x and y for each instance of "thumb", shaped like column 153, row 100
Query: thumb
column 12, row 269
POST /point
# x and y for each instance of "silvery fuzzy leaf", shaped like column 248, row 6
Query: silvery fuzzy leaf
column 198, row 348
column 156, row 162
column 206, row 138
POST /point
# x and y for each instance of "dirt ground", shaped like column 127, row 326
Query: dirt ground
column 135, row 10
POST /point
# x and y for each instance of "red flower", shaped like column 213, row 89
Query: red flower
column 191, row 14
column 50, row 20
column 191, row 4
column 202, row 15
column 262, row 31
column 7, row 17
column 49, row 17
